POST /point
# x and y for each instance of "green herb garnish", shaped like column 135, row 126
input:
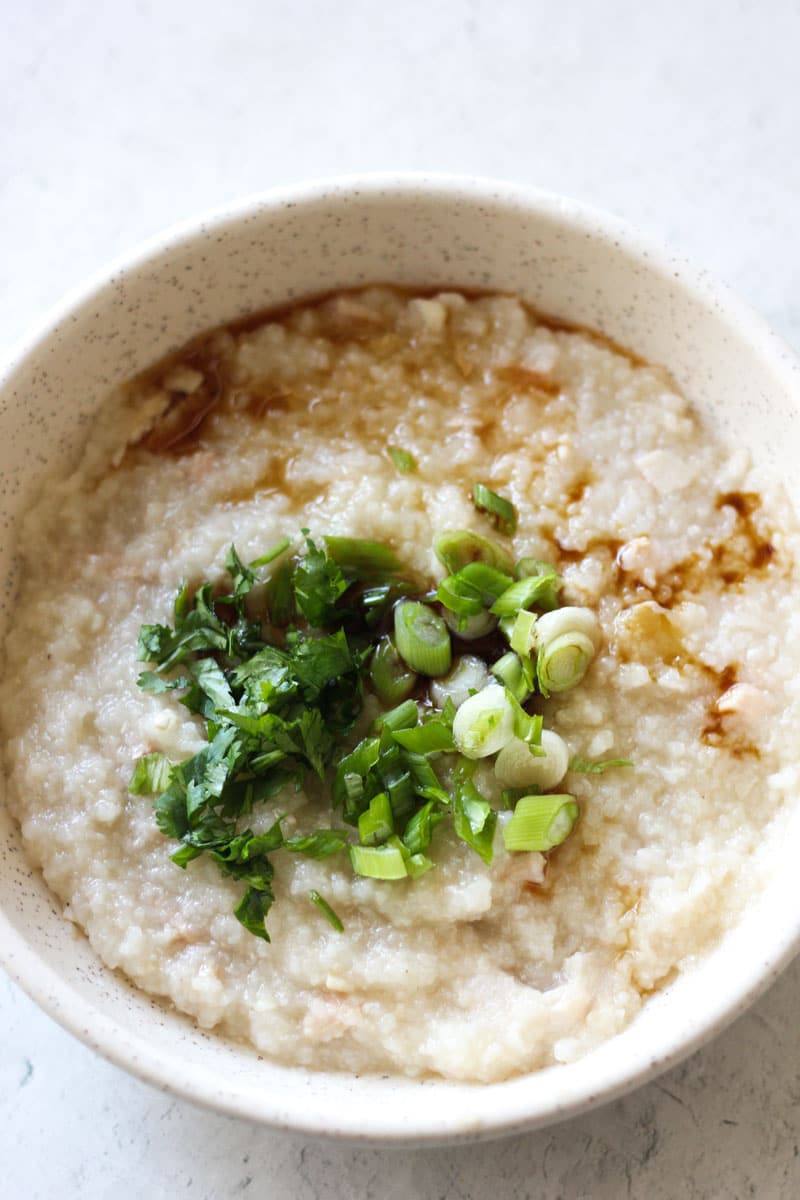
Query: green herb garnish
column 502, row 511
column 585, row 766
column 278, row 709
column 403, row 460
column 330, row 916
column 278, row 676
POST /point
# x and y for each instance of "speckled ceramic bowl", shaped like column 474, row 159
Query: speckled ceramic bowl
column 567, row 261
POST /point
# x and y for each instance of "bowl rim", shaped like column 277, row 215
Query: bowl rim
column 488, row 1110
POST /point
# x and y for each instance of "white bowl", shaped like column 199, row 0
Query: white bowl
column 567, row 261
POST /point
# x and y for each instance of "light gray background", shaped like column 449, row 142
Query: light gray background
column 116, row 119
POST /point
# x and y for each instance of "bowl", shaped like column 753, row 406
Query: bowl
column 567, row 261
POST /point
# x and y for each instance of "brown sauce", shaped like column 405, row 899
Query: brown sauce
column 528, row 380
column 747, row 552
column 564, row 554
column 716, row 731
column 181, row 427
column 179, row 430
column 578, row 488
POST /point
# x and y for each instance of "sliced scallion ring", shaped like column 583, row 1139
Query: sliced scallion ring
column 538, row 568
column 509, row 671
column 455, row 548
column 404, row 716
column 540, row 822
column 489, row 582
column 390, row 676
column 498, row 507
column 484, row 723
column 468, row 675
column 526, row 567
column 522, row 594
column 522, row 636
column 418, row 864
column 361, row 558
column 422, row 638
column 568, row 620
column 460, row 596
column 562, row 663
column 378, row 862
column 470, row 628
column 376, row 824
column 515, row 766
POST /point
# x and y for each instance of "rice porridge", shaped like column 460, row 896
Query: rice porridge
column 372, row 415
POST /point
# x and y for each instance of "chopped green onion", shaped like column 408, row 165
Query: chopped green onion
column 568, row 620
column 399, row 788
column 467, row 676
column 562, row 663
column 422, row 638
column 473, row 819
column 362, row 559
column 418, row 864
column 470, row 628
column 585, row 766
column 426, row 781
column 458, row 547
column 419, row 830
column 404, row 716
column 376, row 599
column 280, row 596
column 525, row 567
column 522, row 637
column 522, row 594
column 431, row 738
column 526, row 727
column 510, row 796
column 509, row 671
column 490, row 582
column 378, row 862
column 354, row 786
column 376, row 824
column 351, row 773
column 322, row 904
column 271, row 555
column 403, row 460
column 484, row 723
column 537, row 567
column 515, row 766
column 498, row 507
column 540, row 822
column 388, row 673
column 460, row 596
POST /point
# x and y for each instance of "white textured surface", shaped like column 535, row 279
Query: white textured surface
column 116, row 121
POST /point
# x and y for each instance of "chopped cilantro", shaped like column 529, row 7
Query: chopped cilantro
column 275, row 664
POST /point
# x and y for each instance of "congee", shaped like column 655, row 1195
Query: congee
column 404, row 683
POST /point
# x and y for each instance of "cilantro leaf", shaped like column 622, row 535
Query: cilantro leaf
column 243, row 578
column 253, row 908
column 318, row 583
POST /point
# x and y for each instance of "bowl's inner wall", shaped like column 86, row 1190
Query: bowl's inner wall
column 563, row 266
